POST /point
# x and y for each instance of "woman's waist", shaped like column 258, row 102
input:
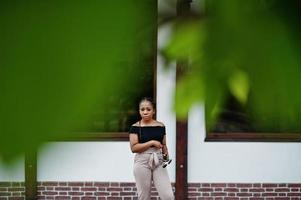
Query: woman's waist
column 152, row 150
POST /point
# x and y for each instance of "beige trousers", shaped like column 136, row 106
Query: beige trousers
column 147, row 169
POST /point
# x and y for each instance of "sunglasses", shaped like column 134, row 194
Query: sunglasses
column 166, row 162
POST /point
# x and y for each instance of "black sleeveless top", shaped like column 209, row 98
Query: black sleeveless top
column 147, row 133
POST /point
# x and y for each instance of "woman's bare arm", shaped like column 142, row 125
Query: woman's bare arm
column 137, row 147
column 164, row 148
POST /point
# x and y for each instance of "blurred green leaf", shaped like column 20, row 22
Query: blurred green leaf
column 250, row 49
column 239, row 86
column 59, row 59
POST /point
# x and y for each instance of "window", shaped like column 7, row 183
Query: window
column 235, row 122
column 114, row 116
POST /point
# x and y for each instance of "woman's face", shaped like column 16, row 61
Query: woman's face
column 146, row 110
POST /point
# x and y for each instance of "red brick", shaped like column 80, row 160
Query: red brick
column 269, row 194
column 76, row 193
column 231, row 194
column 256, row 198
column 205, row 185
column 16, row 184
column 104, row 189
column 16, row 198
column 282, row 190
column 245, row 194
column 75, row 188
column 294, row 194
column 195, row 185
column 282, row 198
column 231, row 198
column 127, row 184
column 49, row 183
column 231, row 185
column 101, row 184
column 205, row 194
column 101, row 193
column 256, row 185
column 244, row 185
column 294, row 185
column 114, row 184
column 79, row 184
column 256, row 190
column 192, row 189
column 282, row 185
column 88, row 189
column 88, row 198
column 231, row 190
column 269, row 185
column 194, row 194
column 218, row 194
column 14, row 189
column 5, row 184
column 63, row 183
column 88, row 184
column 62, row 197
column 114, row 189
column 218, row 185
column 205, row 189
column 49, row 193
column 40, row 188
column 294, row 198
column 127, row 193
column 114, row 198
column 62, row 188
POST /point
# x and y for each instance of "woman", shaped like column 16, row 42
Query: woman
column 148, row 141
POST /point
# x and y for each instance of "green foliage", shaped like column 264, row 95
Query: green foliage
column 249, row 49
column 61, row 59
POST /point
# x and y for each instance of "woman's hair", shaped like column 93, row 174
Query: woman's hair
column 149, row 99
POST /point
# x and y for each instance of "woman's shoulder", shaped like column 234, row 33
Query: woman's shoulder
column 135, row 124
column 157, row 123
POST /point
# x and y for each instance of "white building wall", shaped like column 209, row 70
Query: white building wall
column 13, row 170
column 243, row 162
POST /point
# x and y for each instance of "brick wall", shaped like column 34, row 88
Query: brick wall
column 128, row 191
column 238, row 191
column 89, row 191
column 12, row 191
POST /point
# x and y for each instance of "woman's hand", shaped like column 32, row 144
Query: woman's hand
column 157, row 144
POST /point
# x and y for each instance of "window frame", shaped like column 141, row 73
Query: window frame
column 252, row 137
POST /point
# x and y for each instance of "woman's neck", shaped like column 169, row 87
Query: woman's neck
column 146, row 122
